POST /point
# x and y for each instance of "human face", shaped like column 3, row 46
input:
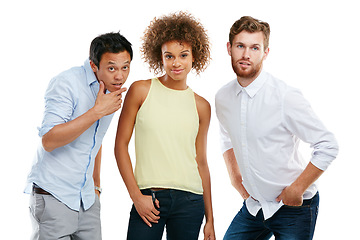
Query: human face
column 113, row 70
column 177, row 59
column 247, row 55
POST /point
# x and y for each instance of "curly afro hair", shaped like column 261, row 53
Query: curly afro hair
column 182, row 27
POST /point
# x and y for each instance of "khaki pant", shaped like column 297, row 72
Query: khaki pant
column 51, row 219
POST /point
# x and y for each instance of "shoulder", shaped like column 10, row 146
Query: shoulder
column 138, row 90
column 276, row 83
column 226, row 89
column 201, row 102
column 140, row 86
column 68, row 77
column 290, row 97
column 203, row 107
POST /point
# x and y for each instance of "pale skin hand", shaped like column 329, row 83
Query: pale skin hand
column 65, row 133
column 293, row 194
column 134, row 99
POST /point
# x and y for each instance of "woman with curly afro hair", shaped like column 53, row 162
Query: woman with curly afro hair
column 171, row 182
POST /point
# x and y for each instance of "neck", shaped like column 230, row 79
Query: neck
column 173, row 84
column 246, row 81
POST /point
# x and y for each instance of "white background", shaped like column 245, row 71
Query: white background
column 313, row 46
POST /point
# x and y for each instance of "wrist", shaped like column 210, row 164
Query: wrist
column 99, row 189
column 297, row 188
column 135, row 196
column 96, row 115
column 210, row 221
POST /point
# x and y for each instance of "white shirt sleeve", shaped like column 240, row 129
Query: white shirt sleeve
column 225, row 141
column 301, row 120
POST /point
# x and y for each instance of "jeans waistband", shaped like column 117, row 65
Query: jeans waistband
column 309, row 201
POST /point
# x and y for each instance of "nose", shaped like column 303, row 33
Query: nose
column 119, row 76
column 176, row 63
column 246, row 53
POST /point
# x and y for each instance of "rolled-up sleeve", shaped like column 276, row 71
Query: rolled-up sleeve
column 225, row 141
column 301, row 120
column 59, row 104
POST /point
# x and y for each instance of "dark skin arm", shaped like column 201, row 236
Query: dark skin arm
column 134, row 99
column 204, row 112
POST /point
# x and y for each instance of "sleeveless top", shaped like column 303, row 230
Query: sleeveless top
column 166, row 128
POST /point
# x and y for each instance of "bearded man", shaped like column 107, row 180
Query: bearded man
column 262, row 121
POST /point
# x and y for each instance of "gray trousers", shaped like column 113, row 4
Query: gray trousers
column 51, row 219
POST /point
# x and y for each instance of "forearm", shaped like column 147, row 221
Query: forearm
column 97, row 168
column 234, row 173
column 306, row 178
column 65, row 133
column 126, row 171
column 206, row 183
column 293, row 194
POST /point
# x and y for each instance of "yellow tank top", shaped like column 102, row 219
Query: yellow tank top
column 166, row 128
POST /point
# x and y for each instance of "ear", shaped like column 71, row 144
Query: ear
column 266, row 53
column 228, row 45
column 93, row 66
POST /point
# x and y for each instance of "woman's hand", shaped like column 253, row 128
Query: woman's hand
column 146, row 209
column 209, row 232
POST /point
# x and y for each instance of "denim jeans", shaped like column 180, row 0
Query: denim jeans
column 288, row 223
column 181, row 212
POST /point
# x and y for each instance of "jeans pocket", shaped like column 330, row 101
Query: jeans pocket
column 37, row 206
column 195, row 198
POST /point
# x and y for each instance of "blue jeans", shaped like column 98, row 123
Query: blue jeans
column 288, row 223
column 182, row 212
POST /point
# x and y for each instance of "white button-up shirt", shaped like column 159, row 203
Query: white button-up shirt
column 263, row 123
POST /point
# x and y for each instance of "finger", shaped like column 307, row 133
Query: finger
column 101, row 88
column 279, row 198
column 154, row 214
column 155, row 211
column 157, row 203
column 146, row 221
column 120, row 91
column 151, row 218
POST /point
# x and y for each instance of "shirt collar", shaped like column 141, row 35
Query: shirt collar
column 254, row 87
column 90, row 75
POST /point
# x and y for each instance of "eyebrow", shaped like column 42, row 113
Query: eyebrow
column 114, row 63
column 172, row 53
column 255, row 44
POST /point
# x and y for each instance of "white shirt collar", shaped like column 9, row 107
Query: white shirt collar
column 254, row 87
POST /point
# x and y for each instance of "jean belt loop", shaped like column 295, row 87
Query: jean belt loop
column 153, row 195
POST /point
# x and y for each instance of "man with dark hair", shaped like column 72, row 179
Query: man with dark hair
column 262, row 121
column 79, row 106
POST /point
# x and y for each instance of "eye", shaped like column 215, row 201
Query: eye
column 255, row 48
column 240, row 46
column 111, row 69
column 125, row 68
column 184, row 55
column 168, row 56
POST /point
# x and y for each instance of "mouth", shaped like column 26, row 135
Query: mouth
column 117, row 85
column 242, row 63
column 177, row 71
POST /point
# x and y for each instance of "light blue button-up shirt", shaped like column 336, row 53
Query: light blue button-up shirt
column 67, row 172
